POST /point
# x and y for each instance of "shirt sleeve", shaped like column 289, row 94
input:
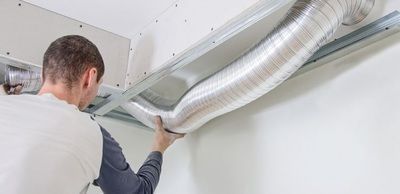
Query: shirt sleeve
column 117, row 177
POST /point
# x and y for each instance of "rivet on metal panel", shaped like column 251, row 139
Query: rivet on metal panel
column 19, row 4
column 80, row 26
column 117, row 85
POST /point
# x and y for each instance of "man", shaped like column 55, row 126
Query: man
column 47, row 145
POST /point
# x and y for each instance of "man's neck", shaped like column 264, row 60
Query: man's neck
column 62, row 92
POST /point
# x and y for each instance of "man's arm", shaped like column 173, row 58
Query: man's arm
column 117, row 177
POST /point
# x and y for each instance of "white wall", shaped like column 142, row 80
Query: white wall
column 331, row 130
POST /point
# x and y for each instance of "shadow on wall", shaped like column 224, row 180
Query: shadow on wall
column 177, row 86
column 237, row 159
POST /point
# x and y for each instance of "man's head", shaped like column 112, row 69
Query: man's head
column 76, row 64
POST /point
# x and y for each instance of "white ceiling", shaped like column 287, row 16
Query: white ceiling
column 123, row 17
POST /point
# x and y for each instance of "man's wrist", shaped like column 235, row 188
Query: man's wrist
column 158, row 149
column 156, row 153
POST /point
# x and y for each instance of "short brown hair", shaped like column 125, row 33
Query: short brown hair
column 68, row 57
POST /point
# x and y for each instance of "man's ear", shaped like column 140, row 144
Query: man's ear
column 90, row 78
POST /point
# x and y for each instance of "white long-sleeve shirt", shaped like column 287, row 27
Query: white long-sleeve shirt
column 47, row 146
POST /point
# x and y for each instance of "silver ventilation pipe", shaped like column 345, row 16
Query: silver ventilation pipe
column 308, row 25
column 29, row 80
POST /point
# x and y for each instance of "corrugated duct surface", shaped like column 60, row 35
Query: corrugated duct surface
column 29, row 80
column 307, row 26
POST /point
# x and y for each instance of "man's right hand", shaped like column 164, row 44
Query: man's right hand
column 163, row 139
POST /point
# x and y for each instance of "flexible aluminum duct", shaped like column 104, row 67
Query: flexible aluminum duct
column 308, row 26
column 29, row 80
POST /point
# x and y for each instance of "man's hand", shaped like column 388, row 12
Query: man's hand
column 163, row 139
column 10, row 90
